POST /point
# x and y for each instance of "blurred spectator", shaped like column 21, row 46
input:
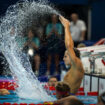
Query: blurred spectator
column 81, row 45
column 54, row 30
column 101, row 99
column 52, row 81
column 32, row 46
column 78, row 29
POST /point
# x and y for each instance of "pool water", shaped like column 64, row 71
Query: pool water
column 88, row 99
column 13, row 98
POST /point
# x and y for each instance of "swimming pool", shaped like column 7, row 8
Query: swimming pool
column 13, row 97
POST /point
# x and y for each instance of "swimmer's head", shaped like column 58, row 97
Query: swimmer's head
column 81, row 45
column 62, row 90
column 66, row 57
column 4, row 92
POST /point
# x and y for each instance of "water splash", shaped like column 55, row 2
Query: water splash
column 18, row 19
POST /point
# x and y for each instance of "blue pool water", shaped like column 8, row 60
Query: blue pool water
column 13, row 98
column 88, row 99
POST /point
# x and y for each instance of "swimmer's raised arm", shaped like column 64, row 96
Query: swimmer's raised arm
column 68, row 40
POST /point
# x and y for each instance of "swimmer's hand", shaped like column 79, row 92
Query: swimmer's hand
column 4, row 92
column 65, row 22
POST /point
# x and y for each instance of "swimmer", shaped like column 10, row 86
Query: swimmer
column 63, row 93
column 4, row 92
column 72, row 60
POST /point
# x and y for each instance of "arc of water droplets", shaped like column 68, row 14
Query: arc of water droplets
column 18, row 17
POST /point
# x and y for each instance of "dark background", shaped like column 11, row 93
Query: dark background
column 69, row 6
column 79, row 6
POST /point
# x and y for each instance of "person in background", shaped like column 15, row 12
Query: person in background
column 32, row 45
column 101, row 99
column 81, row 45
column 52, row 81
column 54, row 31
column 77, row 28
column 4, row 92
